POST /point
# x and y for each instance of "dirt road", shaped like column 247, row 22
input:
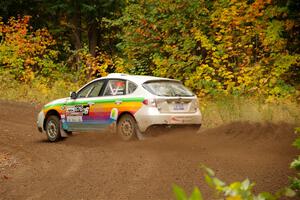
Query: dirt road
column 100, row 166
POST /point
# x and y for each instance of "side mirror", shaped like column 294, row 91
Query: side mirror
column 73, row 95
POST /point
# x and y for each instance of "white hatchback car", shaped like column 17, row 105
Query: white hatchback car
column 126, row 104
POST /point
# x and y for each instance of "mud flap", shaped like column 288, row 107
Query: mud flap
column 139, row 135
column 62, row 131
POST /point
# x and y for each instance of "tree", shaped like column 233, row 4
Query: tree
column 26, row 53
column 225, row 46
column 81, row 20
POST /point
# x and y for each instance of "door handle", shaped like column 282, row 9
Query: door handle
column 118, row 102
column 90, row 103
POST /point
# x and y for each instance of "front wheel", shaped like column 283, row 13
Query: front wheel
column 53, row 128
column 127, row 127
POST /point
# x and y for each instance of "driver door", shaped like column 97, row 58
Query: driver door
column 80, row 112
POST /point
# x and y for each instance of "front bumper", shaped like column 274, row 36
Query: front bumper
column 150, row 116
column 40, row 121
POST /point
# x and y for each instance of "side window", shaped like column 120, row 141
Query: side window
column 91, row 90
column 96, row 89
column 131, row 87
column 115, row 87
column 83, row 93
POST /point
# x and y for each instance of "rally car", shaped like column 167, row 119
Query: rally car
column 125, row 104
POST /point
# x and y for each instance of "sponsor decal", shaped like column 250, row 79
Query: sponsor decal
column 74, row 118
column 77, row 110
column 114, row 114
column 86, row 110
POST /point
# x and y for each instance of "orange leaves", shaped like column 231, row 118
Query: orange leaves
column 220, row 46
column 95, row 65
column 25, row 52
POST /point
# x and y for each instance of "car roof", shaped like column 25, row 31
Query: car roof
column 137, row 78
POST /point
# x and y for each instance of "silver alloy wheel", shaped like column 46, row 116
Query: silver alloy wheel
column 127, row 128
column 52, row 129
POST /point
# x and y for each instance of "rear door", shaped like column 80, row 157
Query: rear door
column 113, row 94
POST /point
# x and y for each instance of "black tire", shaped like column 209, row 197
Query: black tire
column 127, row 128
column 53, row 128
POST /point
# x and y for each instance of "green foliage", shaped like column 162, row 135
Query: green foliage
column 295, row 181
column 180, row 194
column 213, row 47
column 234, row 191
column 40, row 90
column 87, row 65
column 26, row 53
column 296, row 163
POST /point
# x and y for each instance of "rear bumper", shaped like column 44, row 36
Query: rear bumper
column 148, row 117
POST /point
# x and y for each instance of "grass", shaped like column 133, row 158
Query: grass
column 37, row 91
column 228, row 109
column 216, row 111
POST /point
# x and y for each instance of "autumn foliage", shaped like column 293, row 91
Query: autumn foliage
column 227, row 47
column 24, row 52
column 247, row 47
column 28, row 53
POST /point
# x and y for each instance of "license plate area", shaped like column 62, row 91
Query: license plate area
column 179, row 107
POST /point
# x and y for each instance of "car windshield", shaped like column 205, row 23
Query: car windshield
column 167, row 88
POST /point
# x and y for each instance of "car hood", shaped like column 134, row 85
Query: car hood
column 57, row 101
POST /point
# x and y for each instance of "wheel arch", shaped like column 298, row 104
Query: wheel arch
column 124, row 113
column 49, row 113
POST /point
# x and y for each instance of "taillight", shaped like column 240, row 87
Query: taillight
column 146, row 101
column 149, row 102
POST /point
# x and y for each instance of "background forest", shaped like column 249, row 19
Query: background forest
column 241, row 57
column 215, row 47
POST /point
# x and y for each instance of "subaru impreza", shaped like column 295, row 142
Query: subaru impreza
column 128, row 105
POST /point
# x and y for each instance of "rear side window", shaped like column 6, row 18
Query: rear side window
column 131, row 87
column 115, row 87
column 167, row 88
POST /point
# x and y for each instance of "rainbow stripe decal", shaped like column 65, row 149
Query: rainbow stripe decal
column 93, row 114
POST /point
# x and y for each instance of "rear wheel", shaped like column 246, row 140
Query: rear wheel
column 53, row 128
column 127, row 127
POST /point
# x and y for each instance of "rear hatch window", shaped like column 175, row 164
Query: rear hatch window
column 167, row 89
column 173, row 97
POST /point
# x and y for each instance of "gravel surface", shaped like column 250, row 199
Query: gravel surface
column 101, row 166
